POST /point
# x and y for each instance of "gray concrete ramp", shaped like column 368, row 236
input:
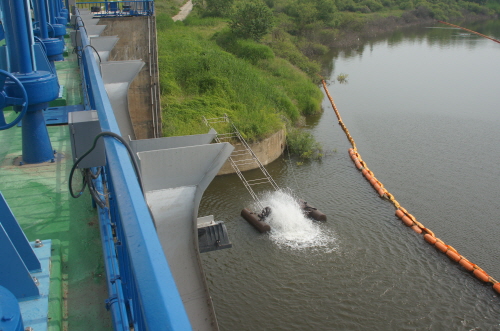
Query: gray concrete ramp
column 174, row 180
column 104, row 45
column 94, row 30
column 143, row 145
column 117, row 76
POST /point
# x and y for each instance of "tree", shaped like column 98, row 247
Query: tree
column 220, row 8
column 252, row 20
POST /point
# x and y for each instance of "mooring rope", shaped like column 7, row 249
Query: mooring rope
column 407, row 218
column 479, row 34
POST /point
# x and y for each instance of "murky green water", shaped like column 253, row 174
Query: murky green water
column 423, row 108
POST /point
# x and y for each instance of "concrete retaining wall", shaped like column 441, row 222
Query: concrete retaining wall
column 138, row 42
column 266, row 150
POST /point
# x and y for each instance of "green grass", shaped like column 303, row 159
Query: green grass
column 198, row 78
column 206, row 71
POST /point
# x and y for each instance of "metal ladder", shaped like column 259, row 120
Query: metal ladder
column 245, row 150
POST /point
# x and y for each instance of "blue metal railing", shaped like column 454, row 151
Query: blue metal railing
column 118, row 8
column 142, row 291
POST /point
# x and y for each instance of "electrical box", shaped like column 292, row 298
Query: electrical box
column 76, row 39
column 84, row 126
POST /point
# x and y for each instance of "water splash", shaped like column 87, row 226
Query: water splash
column 290, row 228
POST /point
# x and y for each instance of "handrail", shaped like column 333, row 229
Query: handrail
column 150, row 290
column 118, row 8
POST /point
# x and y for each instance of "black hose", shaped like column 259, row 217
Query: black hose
column 93, row 190
column 129, row 150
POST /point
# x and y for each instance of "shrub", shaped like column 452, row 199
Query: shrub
column 309, row 48
column 245, row 49
column 290, row 52
column 373, row 5
column 252, row 20
column 303, row 144
column 220, row 8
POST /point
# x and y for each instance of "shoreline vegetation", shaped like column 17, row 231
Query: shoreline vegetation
column 257, row 60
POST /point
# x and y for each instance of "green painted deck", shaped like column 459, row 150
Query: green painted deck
column 39, row 198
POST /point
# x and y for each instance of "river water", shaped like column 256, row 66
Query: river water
column 423, row 108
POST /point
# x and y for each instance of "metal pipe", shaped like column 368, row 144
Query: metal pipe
column 41, row 18
column 15, row 15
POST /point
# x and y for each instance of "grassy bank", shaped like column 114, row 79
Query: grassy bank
column 243, row 79
column 255, row 60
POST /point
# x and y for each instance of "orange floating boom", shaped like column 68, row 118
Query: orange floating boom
column 479, row 34
column 407, row 218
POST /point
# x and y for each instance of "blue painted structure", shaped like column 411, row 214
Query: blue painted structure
column 24, row 277
column 57, row 22
column 142, row 291
column 141, row 286
column 118, row 8
column 9, row 310
column 40, row 86
column 54, row 47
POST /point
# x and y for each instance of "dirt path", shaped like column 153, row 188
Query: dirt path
column 184, row 12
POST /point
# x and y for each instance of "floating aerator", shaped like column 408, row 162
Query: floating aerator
column 311, row 211
column 258, row 220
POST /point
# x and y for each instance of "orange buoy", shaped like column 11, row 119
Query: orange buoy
column 481, row 275
column 430, row 239
column 365, row 172
column 496, row 287
column 381, row 192
column 442, row 247
column 407, row 221
column 351, row 151
column 358, row 164
column 400, row 213
column 454, row 256
column 466, row 265
column 373, row 181
column 416, row 228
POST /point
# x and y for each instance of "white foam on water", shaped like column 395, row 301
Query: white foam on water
column 290, row 228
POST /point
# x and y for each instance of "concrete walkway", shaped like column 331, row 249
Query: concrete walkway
column 184, row 12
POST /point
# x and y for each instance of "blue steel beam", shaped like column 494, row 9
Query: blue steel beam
column 14, row 275
column 160, row 302
column 17, row 236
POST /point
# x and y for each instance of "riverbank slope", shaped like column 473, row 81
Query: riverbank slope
column 209, row 70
